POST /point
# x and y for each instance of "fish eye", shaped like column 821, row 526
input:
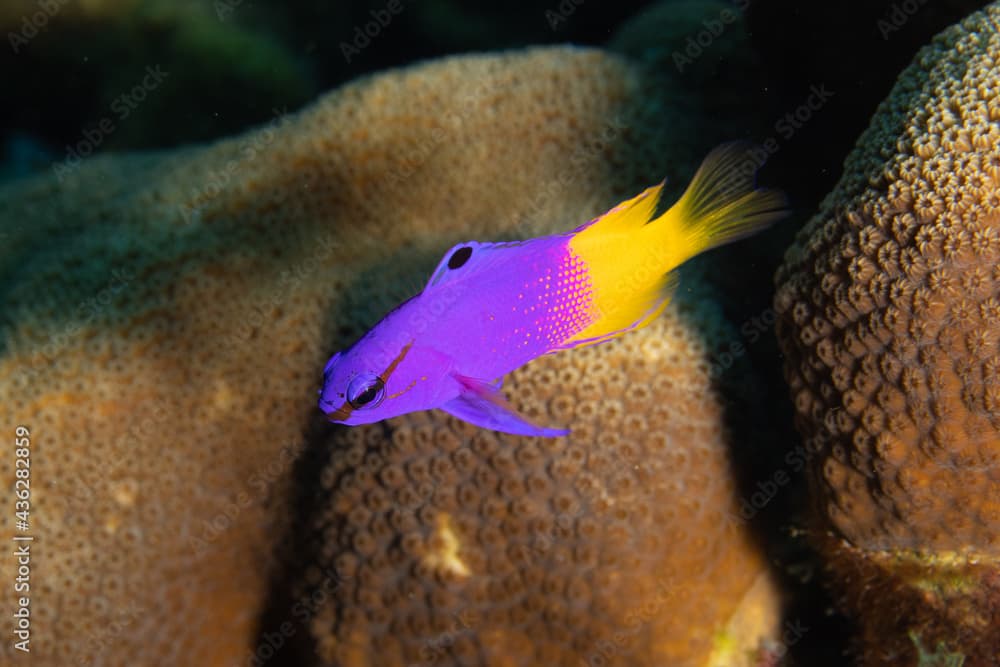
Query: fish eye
column 365, row 391
column 459, row 257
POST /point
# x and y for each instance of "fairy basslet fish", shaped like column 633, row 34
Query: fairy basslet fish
column 489, row 308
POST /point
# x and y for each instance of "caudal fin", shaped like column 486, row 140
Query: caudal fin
column 722, row 205
column 631, row 253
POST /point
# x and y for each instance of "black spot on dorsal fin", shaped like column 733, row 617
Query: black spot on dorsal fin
column 459, row 257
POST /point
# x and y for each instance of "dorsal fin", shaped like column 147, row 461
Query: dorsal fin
column 629, row 214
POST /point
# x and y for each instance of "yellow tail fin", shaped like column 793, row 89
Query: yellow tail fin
column 631, row 253
column 721, row 205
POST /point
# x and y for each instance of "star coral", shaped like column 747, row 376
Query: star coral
column 888, row 314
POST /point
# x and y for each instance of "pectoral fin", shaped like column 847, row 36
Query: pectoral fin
column 482, row 404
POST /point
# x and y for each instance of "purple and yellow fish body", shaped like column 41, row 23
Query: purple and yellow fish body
column 489, row 308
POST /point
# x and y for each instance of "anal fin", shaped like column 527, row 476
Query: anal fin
column 481, row 403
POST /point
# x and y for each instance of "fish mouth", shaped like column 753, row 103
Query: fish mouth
column 339, row 414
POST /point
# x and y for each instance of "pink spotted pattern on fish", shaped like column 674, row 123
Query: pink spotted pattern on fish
column 554, row 306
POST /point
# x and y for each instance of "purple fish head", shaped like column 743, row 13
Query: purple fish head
column 383, row 376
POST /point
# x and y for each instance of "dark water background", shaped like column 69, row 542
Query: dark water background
column 231, row 63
